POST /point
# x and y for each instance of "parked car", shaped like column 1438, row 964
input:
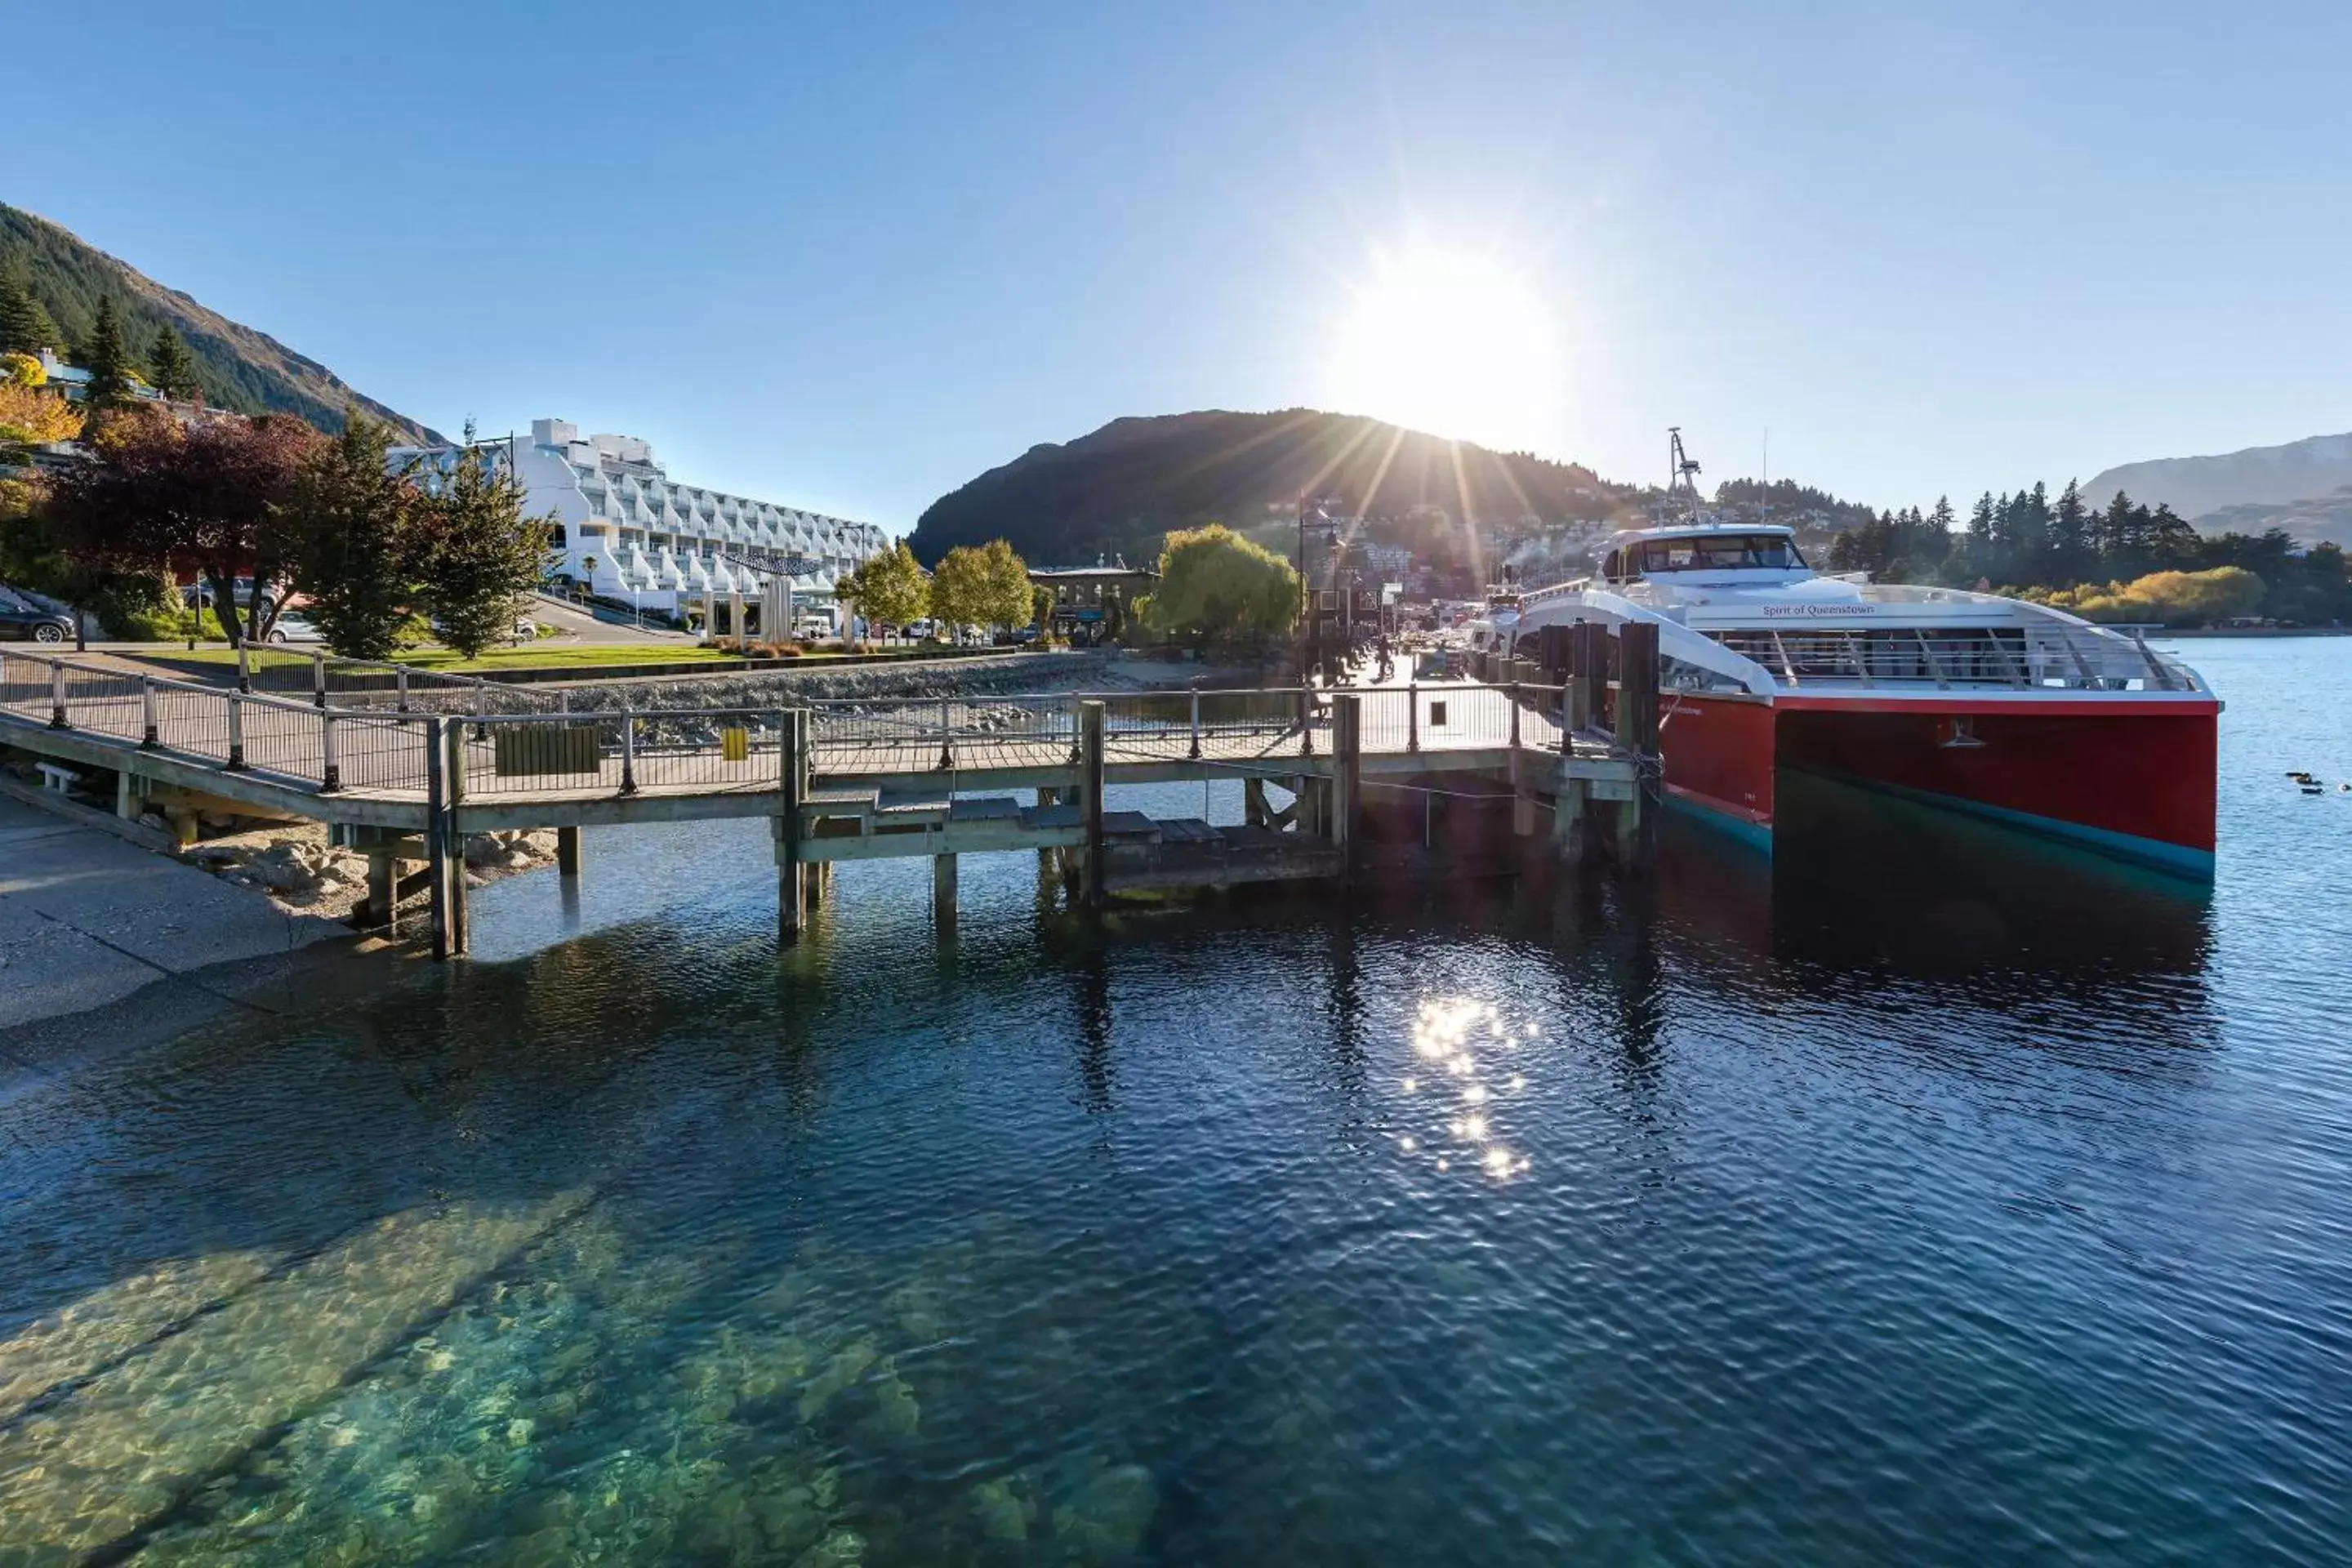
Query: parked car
column 27, row 622
column 291, row 627
column 198, row 596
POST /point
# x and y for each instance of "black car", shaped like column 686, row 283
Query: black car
column 29, row 622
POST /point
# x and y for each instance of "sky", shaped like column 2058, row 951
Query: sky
column 848, row 256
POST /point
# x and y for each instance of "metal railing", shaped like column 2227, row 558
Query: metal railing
column 324, row 749
column 721, row 750
column 2035, row 654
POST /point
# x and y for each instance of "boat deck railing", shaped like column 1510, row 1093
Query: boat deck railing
column 2035, row 656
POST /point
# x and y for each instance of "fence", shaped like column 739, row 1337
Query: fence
column 336, row 745
column 327, row 748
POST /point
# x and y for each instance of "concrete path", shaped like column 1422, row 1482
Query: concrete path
column 86, row 919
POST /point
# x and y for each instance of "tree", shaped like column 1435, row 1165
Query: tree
column 32, row 417
column 108, row 363
column 356, row 540
column 24, row 327
column 175, row 369
column 888, row 587
column 2070, row 534
column 1216, row 586
column 154, row 494
column 478, row 557
column 1041, row 606
column 986, row 585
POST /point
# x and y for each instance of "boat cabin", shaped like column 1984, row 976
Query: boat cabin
column 1705, row 554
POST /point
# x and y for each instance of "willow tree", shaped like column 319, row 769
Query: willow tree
column 1217, row 587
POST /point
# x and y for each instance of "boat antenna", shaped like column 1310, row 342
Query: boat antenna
column 1682, row 476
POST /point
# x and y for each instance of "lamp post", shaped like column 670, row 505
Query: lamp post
column 1312, row 512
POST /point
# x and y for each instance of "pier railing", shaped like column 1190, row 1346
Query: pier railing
column 306, row 744
column 331, row 746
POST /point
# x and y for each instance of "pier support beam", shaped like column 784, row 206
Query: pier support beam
column 567, row 853
column 1568, row 820
column 1346, row 777
column 445, row 852
column 943, row 892
column 791, row 909
column 1090, row 765
column 383, row 890
column 129, row 795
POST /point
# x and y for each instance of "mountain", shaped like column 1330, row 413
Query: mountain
column 240, row 368
column 2197, row 488
column 1122, row 487
column 2318, row 519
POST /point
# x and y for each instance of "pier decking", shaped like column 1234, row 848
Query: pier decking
column 838, row 780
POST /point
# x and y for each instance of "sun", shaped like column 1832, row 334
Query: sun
column 1450, row 342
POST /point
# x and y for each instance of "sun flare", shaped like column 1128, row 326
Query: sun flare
column 1448, row 341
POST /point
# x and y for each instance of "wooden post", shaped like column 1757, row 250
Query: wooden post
column 943, row 892
column 567, row 853
column 1347, row 776
column 1568, row 820
column 1254, row 807
column 791, row 911
column 383, row 890
column 1588, row 680
column 461, row 939
column 436, row 828
column 1637, row 731
column 1090, row 762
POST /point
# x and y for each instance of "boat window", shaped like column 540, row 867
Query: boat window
column 1728, row 551
column 1616, row 566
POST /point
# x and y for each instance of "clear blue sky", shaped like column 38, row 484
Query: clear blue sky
column 848, row 256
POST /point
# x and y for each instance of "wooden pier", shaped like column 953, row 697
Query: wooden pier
column 848, row 781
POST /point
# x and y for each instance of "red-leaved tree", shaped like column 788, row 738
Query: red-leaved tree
column 217, row 496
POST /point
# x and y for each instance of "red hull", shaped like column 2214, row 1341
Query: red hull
column 2134, row 778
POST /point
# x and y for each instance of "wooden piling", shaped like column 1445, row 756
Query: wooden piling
column 792, row 910
column 1346, row 777
column 1090, row 764
column 461, row 937
column 943, row 892
column 436, row 828
column 567, row 853
column 1638, row 732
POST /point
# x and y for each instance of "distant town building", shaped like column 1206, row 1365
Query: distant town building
column 628, row 531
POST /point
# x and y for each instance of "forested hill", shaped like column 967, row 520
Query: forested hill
column 1121, row 488
column 238, row 367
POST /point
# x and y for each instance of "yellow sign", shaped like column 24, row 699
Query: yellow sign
column 735, row 744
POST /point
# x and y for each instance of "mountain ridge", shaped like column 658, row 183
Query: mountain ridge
column 239, row 367
column 1121, row 485
column 2200, row 487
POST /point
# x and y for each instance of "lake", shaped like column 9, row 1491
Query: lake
column 1929, row 1194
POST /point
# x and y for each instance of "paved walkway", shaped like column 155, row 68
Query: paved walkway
column 86, row 919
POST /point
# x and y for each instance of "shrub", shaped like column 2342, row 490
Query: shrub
column 167, row 625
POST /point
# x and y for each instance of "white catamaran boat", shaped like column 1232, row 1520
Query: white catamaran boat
column 1993, row 705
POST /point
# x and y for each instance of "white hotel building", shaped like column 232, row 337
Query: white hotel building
column 654, row 540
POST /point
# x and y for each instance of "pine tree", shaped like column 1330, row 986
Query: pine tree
column 108, row 363
column 24, row 327
column 2070, row 535
column 173, row 368
column 354, row 527
column 480, row 557
column 2116, row 556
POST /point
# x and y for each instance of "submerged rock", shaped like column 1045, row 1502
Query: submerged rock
column 1105, row 1522
column 1002, row 1513
column 841, row 1549
column 836, row 1374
